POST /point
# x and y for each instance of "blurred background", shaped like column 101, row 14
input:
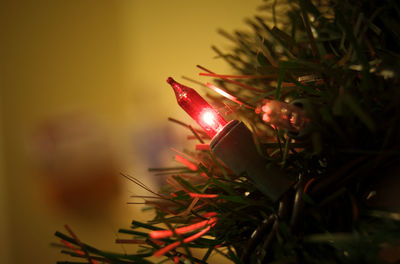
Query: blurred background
column 83, row 98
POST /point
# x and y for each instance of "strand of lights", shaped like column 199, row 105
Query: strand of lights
column 233, row 143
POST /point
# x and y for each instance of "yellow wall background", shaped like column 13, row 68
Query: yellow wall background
column 106, row 60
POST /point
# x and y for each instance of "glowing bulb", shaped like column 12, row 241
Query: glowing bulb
column 208, row 118
column 198, row 108
column 283, row 115
column 266, row 118
column 267, row 109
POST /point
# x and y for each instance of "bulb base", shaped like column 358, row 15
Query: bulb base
column 234, row 146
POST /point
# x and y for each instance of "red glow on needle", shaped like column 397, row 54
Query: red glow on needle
column 158, row 234
column 202, row 147
column 227, row 95
column 177, row 243
column 190, row 165
column 203, row 195
column 223, row 93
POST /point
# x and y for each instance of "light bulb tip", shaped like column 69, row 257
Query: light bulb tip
column 170, row 80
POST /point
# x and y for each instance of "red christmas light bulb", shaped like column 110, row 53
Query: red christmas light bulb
column 198, row 108
column 281, row 114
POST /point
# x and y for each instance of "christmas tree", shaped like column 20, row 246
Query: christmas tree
column 297, row 152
